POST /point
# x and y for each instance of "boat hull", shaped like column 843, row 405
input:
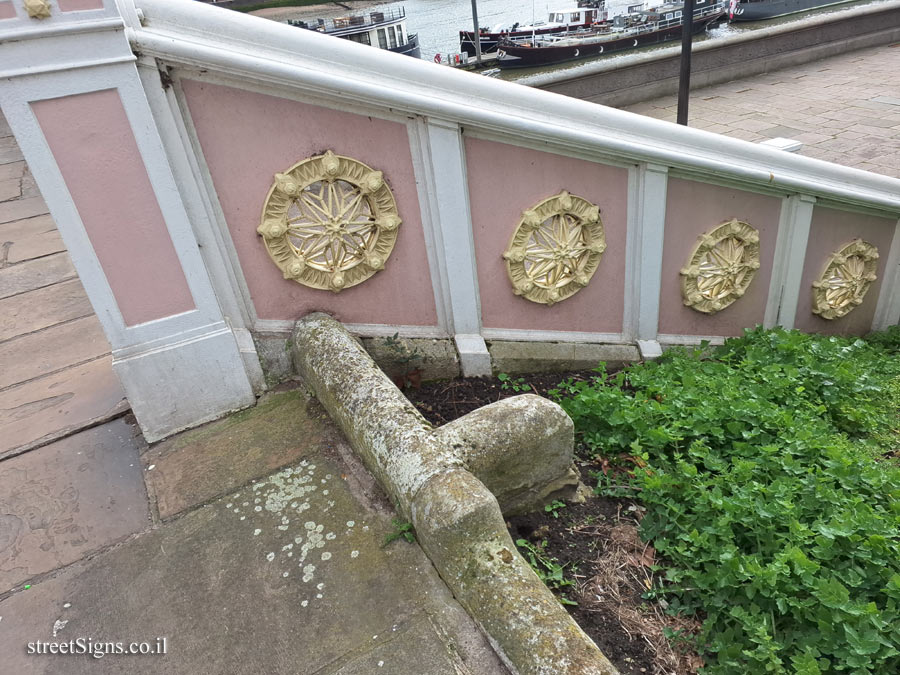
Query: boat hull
column 521, row 56
column 769, row 9
column 489, row 41
column 411, row 48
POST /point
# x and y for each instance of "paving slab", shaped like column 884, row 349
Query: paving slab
column 17, row 209
column 30, row 238
column 204, row 463
column 53, row 406
column 43, row 307
column 822, row 104
column 12, row 170
column 33, row 274
column 51, row 350
column 287, row 575
column 29, row 186
column 73, row 497
column 10, row 189
column 9, row 149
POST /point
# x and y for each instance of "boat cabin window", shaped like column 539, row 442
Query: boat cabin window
column 382, row 39
column 575, row 16
column 669, row 16
column 559, row 18
column 400, row 35
column 392, row 36
column 677, row 15
column 362, row 38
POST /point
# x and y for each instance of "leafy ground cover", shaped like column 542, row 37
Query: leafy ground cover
column 768, row 471
column 756, row 493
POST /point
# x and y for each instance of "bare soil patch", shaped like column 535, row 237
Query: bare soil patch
column 596, row 543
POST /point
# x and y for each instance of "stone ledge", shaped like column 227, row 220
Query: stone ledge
column 548, row 357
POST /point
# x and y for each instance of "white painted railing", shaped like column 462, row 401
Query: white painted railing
column 193, row 34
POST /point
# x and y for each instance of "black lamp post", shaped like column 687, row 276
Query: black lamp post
column 684, row 80
column 477, row 32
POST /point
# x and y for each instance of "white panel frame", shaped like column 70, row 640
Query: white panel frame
column 789, row 257
column 887, row 311
column 649, row 224
column 198, row 344
column 231, row 274
column 195, row 199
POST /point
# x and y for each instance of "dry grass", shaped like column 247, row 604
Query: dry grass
column 623, row 571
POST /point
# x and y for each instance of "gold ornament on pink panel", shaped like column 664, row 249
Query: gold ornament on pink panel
column 330, row 222
column 848, row 274
column 721, row 267
column 37, row 9
column 555, row 249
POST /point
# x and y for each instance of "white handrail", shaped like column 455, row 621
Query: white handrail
column 200, row 35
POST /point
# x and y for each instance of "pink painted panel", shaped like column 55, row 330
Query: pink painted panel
column 830, row 230
column 504, row 181
column 693, row 208
column 248, row 137
column 7, row 11
column 79, row 5
column 95, row 149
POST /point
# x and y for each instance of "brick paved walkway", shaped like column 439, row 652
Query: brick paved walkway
column 845, row 109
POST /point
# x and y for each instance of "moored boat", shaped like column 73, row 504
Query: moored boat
column 586, row 14
column 626, row 31
column 759, row 10
column 382, row 29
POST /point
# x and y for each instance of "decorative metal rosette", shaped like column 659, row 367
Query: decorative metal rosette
column 848, row 274
column 37, row 9
column 555, row 249
column 329, row 222
column 721, row 267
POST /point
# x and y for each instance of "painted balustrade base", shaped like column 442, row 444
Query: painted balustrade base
column 473, row 355
column 165, row 403
column 431, row 359
column 649, row 349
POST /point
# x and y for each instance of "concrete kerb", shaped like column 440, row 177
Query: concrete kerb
column 445, row 482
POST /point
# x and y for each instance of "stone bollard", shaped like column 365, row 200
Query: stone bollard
column 448, row 481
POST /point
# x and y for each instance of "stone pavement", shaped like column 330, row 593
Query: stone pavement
column 55, row 365
column 844, row 109
column 248, row 571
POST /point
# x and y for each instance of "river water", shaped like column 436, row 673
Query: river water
column 438, row 22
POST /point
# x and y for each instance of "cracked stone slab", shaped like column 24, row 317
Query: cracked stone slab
column 30, row 238
column 201, row 464
column 33, row 274
column 68, row 499
column 9, row 150
column 51, row 350
column 286, row 574
column 43, row 307
column 17, row 209
column 48, row 407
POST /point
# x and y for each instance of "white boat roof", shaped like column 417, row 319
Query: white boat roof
column 565, row 10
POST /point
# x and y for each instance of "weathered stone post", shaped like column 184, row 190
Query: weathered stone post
column 448, row 481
